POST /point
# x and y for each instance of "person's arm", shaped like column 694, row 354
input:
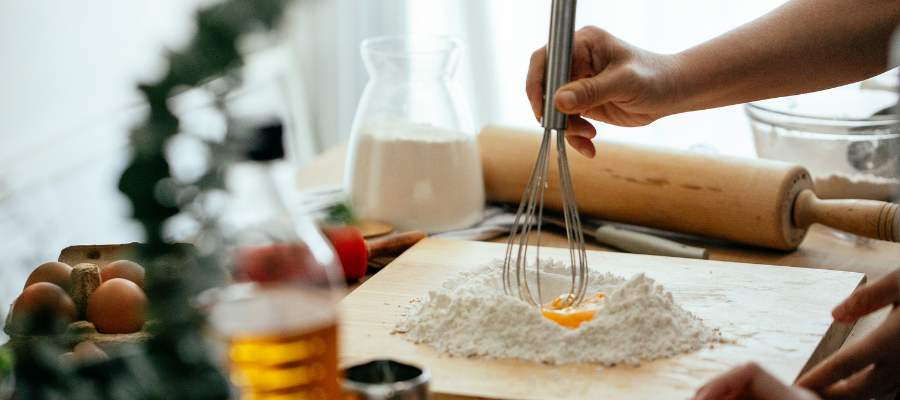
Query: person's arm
column 803, row 46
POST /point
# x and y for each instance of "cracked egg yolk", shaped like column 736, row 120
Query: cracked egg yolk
column 572, row 317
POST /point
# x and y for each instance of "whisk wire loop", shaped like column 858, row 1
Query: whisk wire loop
column 517, row 248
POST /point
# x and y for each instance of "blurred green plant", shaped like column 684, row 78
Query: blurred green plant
column 175, row 363
column 340, row 214
column 6, row 362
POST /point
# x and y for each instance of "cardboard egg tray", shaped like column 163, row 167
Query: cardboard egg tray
column 84, row 330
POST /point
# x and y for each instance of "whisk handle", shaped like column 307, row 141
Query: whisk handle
column 559, row 59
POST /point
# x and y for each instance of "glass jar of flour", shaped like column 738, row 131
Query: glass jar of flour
column 414, row 159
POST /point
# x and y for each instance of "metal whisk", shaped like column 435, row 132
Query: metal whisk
column 531, row 209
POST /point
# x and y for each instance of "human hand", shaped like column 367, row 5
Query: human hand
column 749, row 381
column 612, row 82
column 871, row 366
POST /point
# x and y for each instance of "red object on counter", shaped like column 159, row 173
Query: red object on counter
column 350, row 246
column 354, row 251
column 292, row 262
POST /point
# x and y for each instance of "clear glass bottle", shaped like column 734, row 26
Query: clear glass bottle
column 414, row 158
column 279, row 319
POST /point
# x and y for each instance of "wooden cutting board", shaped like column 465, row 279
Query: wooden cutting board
column 778, row 316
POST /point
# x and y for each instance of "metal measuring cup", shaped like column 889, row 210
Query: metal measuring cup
column 385, row 380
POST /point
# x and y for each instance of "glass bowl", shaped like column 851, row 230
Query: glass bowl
column 847, row 137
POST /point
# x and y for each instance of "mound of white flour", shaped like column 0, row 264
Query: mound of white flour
column 470, row 316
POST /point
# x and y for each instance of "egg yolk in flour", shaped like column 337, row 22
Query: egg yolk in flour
column 572, row 317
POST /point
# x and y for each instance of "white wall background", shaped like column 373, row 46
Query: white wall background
column 65, row 63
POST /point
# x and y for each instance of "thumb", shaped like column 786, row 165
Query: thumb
column 581, row 95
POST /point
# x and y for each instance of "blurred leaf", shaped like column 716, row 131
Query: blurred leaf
column 7, row 361
column 341, row 214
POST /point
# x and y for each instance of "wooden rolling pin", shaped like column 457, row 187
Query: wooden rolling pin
column 753, row 201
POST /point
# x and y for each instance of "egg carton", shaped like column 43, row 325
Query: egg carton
column 83, row 330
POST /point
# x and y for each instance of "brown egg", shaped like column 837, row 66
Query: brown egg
column 54, row 272
column 117, row 306
column 42, row 297
column 124, row 269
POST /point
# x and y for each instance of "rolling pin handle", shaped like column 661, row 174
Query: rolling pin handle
column 870, row 218
column 393, row 244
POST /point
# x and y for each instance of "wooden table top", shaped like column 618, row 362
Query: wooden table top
column 823, row 247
